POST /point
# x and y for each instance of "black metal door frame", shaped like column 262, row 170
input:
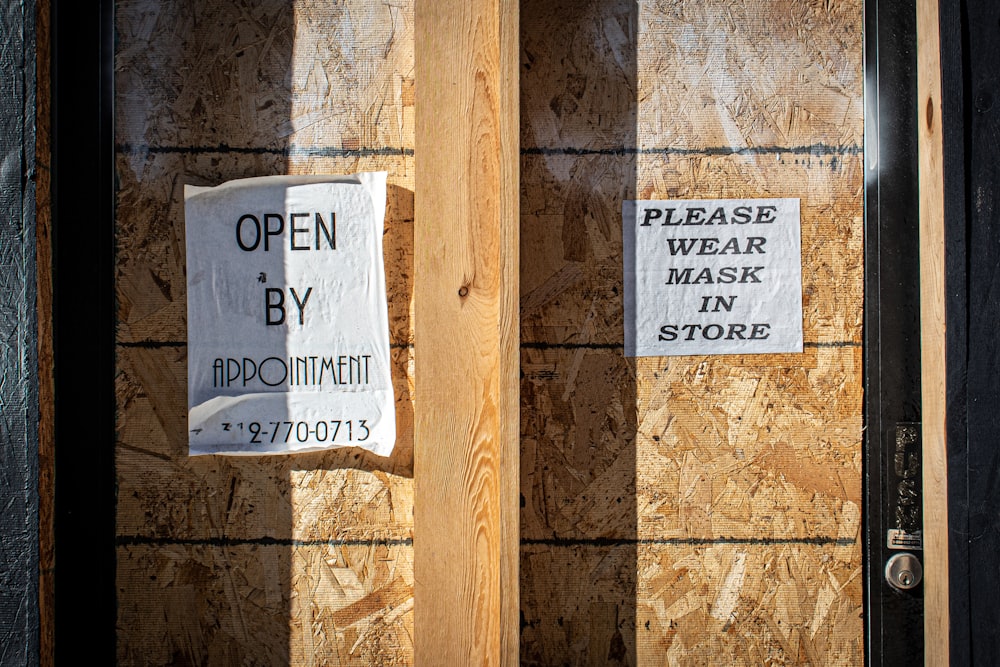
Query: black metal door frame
column 83, row 194
column 894, row 616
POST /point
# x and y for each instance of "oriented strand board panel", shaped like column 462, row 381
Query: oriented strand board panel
column 688, row 510
column 304, row 559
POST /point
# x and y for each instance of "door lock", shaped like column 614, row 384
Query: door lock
column 903, row 571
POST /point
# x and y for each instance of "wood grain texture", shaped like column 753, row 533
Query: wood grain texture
column 933, row 352
column 304, row 559
column 465, row 295
column 688, row 510
column 46, row 365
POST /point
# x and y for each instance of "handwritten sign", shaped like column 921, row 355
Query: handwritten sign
column 712, row 277
column 288, row 338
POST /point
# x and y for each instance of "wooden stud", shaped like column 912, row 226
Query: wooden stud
column 46, row 363
column 932, row 336
column 466, row 333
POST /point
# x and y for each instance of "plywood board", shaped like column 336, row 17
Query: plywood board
column 706, row 508
column 701, row 507
column 304, row 559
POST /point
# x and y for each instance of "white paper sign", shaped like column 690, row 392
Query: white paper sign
column 288, row 337
column 716, row 276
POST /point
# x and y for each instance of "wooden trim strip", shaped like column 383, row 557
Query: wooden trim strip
column 466, row 333
column 932, row 335
column 46, row 363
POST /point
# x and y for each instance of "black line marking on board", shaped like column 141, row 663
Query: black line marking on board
column 834, row 343
column 531, row 345
column 685, row 541
column 541, row 345
column 141, row 450
column 282, row 151
column 813, row 150
column 265, row 541
column 154, row 344
column 140, row 540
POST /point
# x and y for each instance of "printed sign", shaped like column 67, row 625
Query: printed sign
column 288, row 337
column 712, row 277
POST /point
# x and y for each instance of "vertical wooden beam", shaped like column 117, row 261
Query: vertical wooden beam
column 46, row 363
column 932, row 335
column 466, row 333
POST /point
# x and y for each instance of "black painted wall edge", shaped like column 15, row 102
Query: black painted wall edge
column 82, row 196
column 19, row 630
column 970, row 61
